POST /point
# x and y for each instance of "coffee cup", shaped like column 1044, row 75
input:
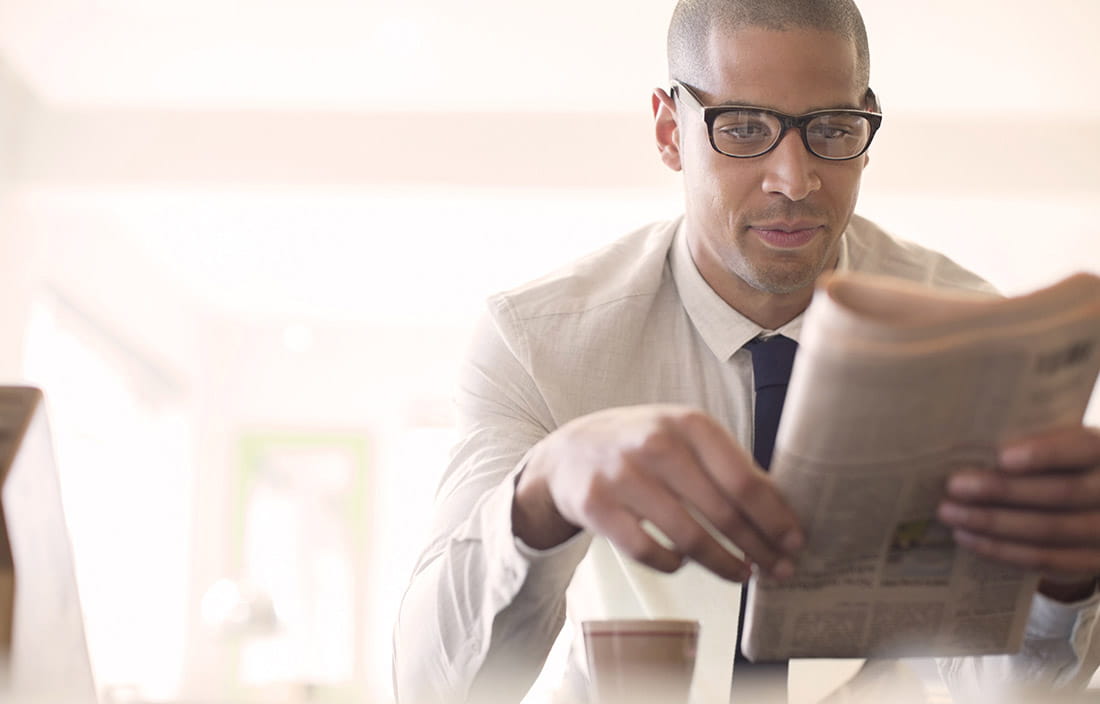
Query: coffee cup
column 640, row 661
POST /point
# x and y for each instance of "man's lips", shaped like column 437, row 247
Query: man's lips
column 787, row 235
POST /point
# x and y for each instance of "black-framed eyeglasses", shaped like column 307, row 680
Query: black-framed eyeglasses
column 744, row 131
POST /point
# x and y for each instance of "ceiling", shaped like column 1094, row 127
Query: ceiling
column 483, row 55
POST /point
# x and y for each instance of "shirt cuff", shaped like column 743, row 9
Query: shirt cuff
column 556, row 564
column 547, row 572
column 569, row 546
column 1050, row 618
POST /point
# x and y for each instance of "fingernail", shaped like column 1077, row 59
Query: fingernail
column 963, row 538
column 792, row 541
column 951, row 513
column 1016, row 457
column 964, row 484
column 784, row 569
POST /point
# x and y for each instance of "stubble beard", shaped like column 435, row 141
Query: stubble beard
column 779, row 272
column 775, row 278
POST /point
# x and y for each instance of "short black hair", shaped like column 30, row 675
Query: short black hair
column 693, row 20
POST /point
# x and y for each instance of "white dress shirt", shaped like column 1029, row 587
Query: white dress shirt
column 633, row 323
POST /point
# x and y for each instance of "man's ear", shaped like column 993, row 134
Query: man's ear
column 666, row 128
column 870, row 103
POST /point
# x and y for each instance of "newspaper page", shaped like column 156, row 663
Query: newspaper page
column 894, row 387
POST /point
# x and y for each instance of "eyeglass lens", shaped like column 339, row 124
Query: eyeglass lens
column 746, row 133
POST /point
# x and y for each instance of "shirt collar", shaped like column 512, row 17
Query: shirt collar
column 724, row 330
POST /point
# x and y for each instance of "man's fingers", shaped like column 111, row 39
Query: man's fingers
column 757, row 550
column 1065, row 490
column 646, row 496
column 742, row 483
column 711, row 507
column 1068, row 448
column 622, row 472
column 1045, row 559
column 625, row 531
column 1069, row 529
column 1039, row 510
column 693, row 540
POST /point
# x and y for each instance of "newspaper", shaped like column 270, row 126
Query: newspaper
column 895, row 386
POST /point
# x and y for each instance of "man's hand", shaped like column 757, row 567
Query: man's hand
column 671, row 466
column 1040, row 509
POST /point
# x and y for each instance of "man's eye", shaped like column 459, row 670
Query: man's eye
column 743, row 130
column 835, row 127
column 829, row 132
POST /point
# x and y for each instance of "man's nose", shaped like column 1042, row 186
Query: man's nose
column 790, row 169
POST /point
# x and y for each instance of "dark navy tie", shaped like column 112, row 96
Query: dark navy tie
column 772, row 359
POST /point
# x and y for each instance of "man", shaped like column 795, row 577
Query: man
column 616, row 396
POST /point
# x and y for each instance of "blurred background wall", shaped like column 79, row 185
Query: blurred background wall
column 242, row 244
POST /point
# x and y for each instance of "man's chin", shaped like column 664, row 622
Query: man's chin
column 782, row 282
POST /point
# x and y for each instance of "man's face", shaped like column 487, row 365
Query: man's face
column 773, row 221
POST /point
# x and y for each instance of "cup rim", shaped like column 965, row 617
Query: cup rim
column 640, row 626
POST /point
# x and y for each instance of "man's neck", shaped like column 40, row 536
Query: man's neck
column 768, row 310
